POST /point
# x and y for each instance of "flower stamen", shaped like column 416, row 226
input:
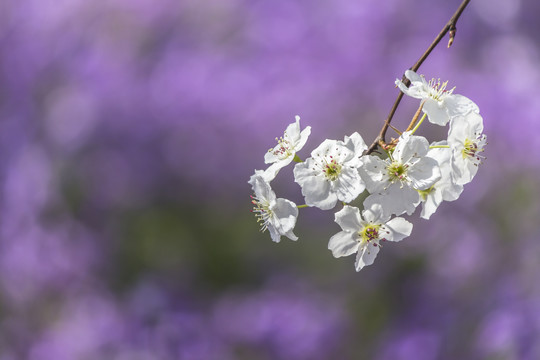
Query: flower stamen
column 437, row 89
column 397, row 171
column 472, row 148
column 369, row 233
column 283, row 150
column 262, row 212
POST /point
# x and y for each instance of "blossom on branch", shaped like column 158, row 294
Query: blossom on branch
column 292, row 141
column 393, row 182
column 445, row 189
column 363, row 234
column 466, row 140
column 331, row 173
column 440, row 103
column 276, row 215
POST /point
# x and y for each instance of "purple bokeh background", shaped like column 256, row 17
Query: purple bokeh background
column 128, row 130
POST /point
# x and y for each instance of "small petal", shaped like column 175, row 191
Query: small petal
column 316, row 189
column 356, row 144
column 396, row 229
column 395, row 200
column 459, row 105
column 413, row 76
column 409, row 147
column 430, row 205
column 349, row 218
column 285, row 212
column 366, row 256
column 424, row 174
column 374, row 214
column 372, row 172
column 343, row 244
column 436, row 113
column 262, row 189
column 349, row 185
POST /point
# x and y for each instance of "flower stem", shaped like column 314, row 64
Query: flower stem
column 415, row 117
column 301, row 206
column 297, row 159
column 439, row 147
column 419, row 123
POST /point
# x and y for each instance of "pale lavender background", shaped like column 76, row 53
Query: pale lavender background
column 128, row 130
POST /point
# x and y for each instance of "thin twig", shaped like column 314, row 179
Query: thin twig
column 449, row 27
column 396, row 130
column 415, row 117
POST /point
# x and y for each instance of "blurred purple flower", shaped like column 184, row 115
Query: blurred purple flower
column 420, row 344
column 292, row 325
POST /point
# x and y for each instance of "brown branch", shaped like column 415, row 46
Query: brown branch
column 415, row 117
column 449, row 27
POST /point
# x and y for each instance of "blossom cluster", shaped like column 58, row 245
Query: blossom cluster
column 403, row 174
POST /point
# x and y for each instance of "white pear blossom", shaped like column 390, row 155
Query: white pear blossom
column 267, row 175
column 276, row 215
column 393, row 182
column 466, row 140
column 331, row 173
column 292, row 141
column 445, row 189
column 363, row 234
column 440, row 103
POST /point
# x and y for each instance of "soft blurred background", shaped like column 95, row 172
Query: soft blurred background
column 129, row 129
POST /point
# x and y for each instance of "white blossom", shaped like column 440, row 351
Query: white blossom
column 466, row 140
column 331, row 173
column 276, row 215
column 440, row 103
column 445, row 189
column 393, row 182
column 363, row 234
column 292, row 141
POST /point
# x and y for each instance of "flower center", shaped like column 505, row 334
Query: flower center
column 424, row 193
column 369, row 233
column 332, row 169
column 283, row 150
column 471, row 150
column 437, row 89
column 262, row 212
column 397, row 171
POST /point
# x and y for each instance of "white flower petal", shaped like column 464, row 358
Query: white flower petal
column 316, row 189
column 366, row 256
column 266, row 175
column 343, row 244
column 292, row 141
column 303, row 138
column 274, row 234
column 395, row 200
column 396, row 229
column 285, row 214
column 373, row 172
column 436, row 113
column 262, row 189
column 424, row 173
column 464, row 170
column 349, row 218
column 413, row 76
column 430, row 205
column 292, row 132
column 356, row 144
column 409, row 147
column 459, row 105
column 374, row 214
column 348, row 185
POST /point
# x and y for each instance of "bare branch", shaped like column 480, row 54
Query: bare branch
column 449, row 27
